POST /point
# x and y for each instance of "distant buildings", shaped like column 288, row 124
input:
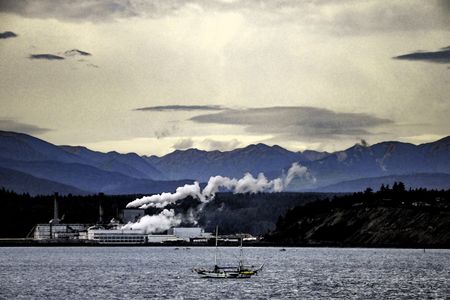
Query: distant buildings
column 188, row 233
column 115, row 235
column 59, row 231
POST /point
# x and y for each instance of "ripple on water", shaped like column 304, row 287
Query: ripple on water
column 165, row 273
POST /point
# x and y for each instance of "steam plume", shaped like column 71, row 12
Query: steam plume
column 156, row 223
column 296, row 170
column 164, row 199
column 247, row 184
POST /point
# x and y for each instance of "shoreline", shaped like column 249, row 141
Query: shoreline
column 23, row 242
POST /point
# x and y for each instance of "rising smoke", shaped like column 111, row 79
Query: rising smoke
column 164, row 199
column 156, row 223
column 247, row 184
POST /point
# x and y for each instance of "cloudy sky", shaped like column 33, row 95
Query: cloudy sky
column 154, row 76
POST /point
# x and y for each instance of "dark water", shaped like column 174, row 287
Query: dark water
column 165, row 273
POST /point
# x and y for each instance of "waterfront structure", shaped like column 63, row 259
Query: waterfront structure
column 59, row 231
column 111, row 233
column 116, row 236
column 188, row 233
column 127, row 236
column 161, row 238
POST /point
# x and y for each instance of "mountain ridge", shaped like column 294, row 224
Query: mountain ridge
column 129, row 164
column 436, row 181
column 24, row 183
column 113, row 172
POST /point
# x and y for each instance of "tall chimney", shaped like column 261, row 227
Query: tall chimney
column 55, row 207
column 100, row 211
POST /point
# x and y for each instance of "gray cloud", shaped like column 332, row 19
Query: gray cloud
column 167, row 131
column 442, row 56
column 69, row 53
column 181, row 108
column 46, row 56
column 183, row 144
column 69, row 10
column 345, row 16
column 211, row 144
column 207, row 144
column 296, row 121
column 7, row 35
column 92, row 66
column 11, row 125
column 160, row 134
column 445, row 5
column 76, row 52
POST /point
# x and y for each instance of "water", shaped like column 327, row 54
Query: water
column 165, row 273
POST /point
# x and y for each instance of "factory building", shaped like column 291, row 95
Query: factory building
column 128, row 236
column 112, row 233
column 161, row 238
column 59, row 231
column 188, row 233
column 55, row 230
column 116, row 236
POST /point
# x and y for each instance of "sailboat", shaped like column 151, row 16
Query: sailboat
column 239, row 271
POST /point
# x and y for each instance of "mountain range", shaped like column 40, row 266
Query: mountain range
column 29, row 164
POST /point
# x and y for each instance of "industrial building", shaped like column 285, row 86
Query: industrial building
column 129, row 236
column 55, row 230
column 59, row 231
column 189, row 233
column 116, row 236
column 112, row 233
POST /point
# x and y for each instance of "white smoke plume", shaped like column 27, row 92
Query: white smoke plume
column 164, row 199
column 247, row 184
column 216, row 182
column 296, row 170
column 156, row 223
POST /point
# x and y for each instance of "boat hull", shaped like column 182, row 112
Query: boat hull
column 227, row 272
column 223, row 275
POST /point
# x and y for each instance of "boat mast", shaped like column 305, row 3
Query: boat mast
column 215, row 253
column 240, row 253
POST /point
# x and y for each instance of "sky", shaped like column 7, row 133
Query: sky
column 155, row 76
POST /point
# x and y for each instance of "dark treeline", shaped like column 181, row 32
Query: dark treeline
column 291, row 218
column 19, row 213
column 254, row 214
column 238, row 213
column 251, row 213
column 391, row 216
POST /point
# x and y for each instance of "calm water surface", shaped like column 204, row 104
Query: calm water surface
column 165, row 273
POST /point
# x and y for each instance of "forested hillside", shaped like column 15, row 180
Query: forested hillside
column 391, row 217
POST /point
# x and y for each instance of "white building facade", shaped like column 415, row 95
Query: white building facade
column 117, row 236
